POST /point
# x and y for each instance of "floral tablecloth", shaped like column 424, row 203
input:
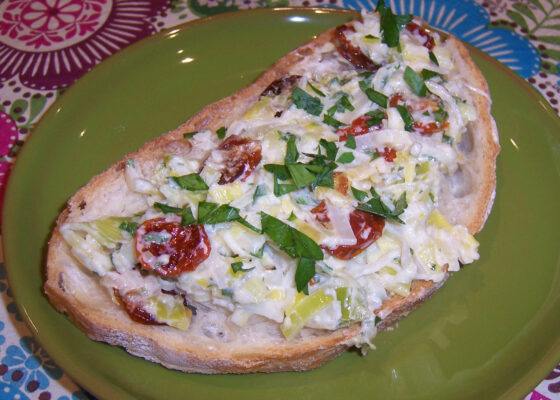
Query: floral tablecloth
column 45, row 45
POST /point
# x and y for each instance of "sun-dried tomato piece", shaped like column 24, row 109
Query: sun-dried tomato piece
column 134, row 307
column 388, row 153
column 416, row 29
column 341, row 183
column 170, row 249
column 321, row 214
column 241, row 157
column 278, row 86
column 350, row 52
column 367, row 229
column 360, row 126
column 427, row 128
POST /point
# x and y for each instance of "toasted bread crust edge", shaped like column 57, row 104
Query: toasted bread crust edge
column 162, row 344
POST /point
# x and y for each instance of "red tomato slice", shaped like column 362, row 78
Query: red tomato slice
column 241, row 157
column 169, row 249
column 367, row 229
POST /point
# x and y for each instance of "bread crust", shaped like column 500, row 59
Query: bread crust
column 73, row 292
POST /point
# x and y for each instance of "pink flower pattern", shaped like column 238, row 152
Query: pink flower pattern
column 48, row 44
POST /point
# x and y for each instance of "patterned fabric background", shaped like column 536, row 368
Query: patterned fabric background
column 45, row 45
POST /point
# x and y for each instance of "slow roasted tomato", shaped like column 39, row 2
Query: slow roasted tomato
column 341, row 182
column 358, row 127
column 366, row 227
column 388, row 153
column 170, row 249
column 416, row 29
column 321, row 214
column 350, row 52
column 430, row 127
column 134, row 307
column 241, row 157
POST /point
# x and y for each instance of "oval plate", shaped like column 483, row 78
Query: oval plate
column 492, row 331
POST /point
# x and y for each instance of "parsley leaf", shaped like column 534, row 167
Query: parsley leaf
column 237, row 266
column 304, row 273
column 407, row 118
column 341, row 104
column 189, row 135
column 376, row 117
column 433, row 58
column 358, row 194
column 221, row 132
column 167, row 209
column 377, row 97
column 327, row 119
column 415, row 82
column 212, row 213
column 291, row 150
column 306, row 102
column 290, row 240
column 190, row 182
column 259, row 192
column 129, row 227
column 376, row 206
column 429, row 74
column 350, row 142
column 187, row 217
column 391, row 24
column 330, row 148
column 346, row 158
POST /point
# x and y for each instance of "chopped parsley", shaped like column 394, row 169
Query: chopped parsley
column 306, row 102
column 129, row 226
column 191, row 182
column 350, row 142
column 406, row 116
column 221, row 132
column 391, row 24
column 346, row 158
column 189, row 135
column 415, row 82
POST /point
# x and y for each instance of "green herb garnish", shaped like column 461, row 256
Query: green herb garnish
column 191, row 182
column 377, row 97
column 346, row 158
column 391, row 24
column 290, row 240
column 189, row 135
column 304, row 273
column 129, row 227
column 306, row 102
column 327, row 119
column 415, row 82
column 167, row 209
column 433, row 58
column 350, row 142
column 221, row 132
column 406, row 116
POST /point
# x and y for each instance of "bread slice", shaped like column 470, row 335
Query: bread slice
column 213, row 344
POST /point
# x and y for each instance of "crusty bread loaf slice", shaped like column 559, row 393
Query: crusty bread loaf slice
column 211, row 344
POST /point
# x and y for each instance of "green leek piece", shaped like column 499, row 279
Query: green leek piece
column 352, row 305
column 172, row 311
column 303, row 309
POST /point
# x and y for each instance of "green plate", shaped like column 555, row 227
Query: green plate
column 493, row 331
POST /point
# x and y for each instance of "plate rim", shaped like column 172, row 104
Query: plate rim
column 522, row 386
